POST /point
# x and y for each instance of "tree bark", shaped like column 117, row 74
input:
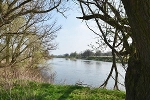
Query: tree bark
column 7, row 49
column 138, row 76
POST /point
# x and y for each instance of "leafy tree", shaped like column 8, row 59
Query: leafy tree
column 74, row 54
column 11, row 9
column 23, row 35
column 87, row 53
column 25, row 38
column 117, row 23
column 66, row 55
column 98, row 53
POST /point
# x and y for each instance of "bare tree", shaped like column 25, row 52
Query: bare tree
column 112, row 28
column 125, row 20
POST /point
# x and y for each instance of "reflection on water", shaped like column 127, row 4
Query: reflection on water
column 92, row 73
column 98, row 63
column 87, row 61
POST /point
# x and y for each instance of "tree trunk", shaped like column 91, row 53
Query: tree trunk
column 132, row 77
column 138, row 76
column 7, row 49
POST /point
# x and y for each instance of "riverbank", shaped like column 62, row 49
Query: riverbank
column 95, row 58
column 102, row 58
column 44, row 91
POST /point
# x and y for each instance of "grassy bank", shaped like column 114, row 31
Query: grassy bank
column 43, row 91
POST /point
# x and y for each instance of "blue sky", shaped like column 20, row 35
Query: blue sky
column 74, row 35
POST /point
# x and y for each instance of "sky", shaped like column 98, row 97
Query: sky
column 74, row 35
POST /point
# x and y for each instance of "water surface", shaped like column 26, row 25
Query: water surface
column 91, row 73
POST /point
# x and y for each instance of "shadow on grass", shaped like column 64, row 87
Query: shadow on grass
column 68, row 92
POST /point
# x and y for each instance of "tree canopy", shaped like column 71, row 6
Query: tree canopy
column 26, row 39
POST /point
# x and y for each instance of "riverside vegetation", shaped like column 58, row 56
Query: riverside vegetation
column 90, row 55
column 25, row 43
column 29, row 85
column 29, row 90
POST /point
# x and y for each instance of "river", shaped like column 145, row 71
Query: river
column 89, row 72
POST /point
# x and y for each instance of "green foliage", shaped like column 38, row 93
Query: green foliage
column 74, row 54
column 43, row 91
column 24, row 38
column 98, row 53
column 87, row 53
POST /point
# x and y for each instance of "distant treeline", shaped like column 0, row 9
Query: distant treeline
column 84, row 55
column 90, row 55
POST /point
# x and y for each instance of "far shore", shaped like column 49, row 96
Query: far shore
column 95, row 58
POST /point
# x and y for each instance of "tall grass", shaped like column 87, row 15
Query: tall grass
column 12, row 76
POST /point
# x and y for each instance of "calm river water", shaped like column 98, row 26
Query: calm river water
column 92, row 73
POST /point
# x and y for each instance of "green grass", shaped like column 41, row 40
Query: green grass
column 43, row 91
